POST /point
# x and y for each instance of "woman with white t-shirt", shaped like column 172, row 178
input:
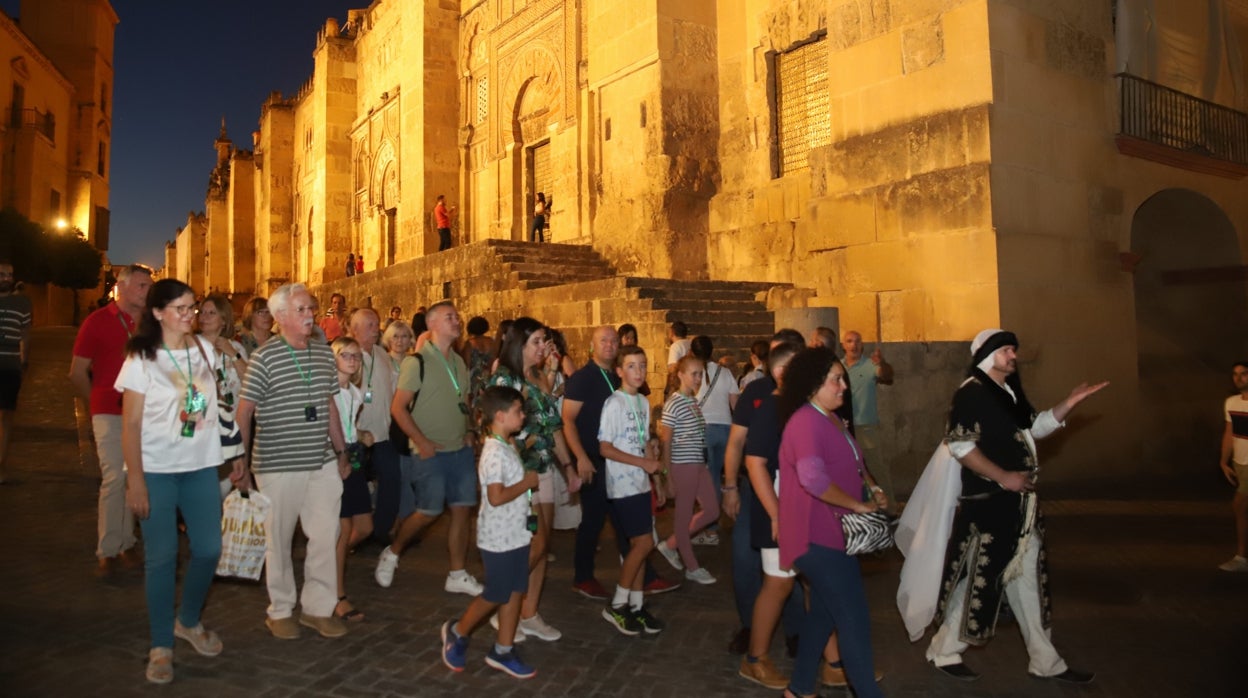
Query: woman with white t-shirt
column 172, row 447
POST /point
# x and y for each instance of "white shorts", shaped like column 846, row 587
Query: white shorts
column 771, row 564
column 545, row 493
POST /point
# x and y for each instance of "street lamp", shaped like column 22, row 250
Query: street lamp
column 61, row 224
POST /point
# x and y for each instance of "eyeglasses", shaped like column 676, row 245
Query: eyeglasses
column 184, row 309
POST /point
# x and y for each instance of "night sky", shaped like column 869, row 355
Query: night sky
column 180, row 66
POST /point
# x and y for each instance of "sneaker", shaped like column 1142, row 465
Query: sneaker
column 510, row 664
column 701, row 576
column 283, row 628
column 327, row 626
column 494, row 624
column 706, row 538
column 465, row 584
column 763, row 673
column 453, row 649
column 660, row 586
column 591, row 589
column 538, row 628
column 386, row 564
column 1235, row 564
column 622, row 619
column 650, row 624
column 672, row 556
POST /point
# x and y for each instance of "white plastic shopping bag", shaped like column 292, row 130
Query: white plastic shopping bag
column 242, row 535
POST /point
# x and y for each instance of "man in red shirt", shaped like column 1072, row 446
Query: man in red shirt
column 99, row 352
column 442, row 216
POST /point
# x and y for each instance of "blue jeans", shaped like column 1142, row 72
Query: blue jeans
column 595, row 509
column 448, row 478
column 838, row 602
column 716, row 446
column 389, row 479
column 747, row 571
column 197, row 495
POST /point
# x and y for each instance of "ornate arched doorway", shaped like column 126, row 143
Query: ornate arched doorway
column 1191, row 307
column 538, row 104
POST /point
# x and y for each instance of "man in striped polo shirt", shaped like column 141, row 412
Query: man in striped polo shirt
column 299, row 460
column 15, row 321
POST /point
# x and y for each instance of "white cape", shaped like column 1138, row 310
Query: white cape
column 922, row 536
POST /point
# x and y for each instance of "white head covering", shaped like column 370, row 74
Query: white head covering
column 978, row 342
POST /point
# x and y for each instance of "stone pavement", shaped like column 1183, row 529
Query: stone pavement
column 1137, row 598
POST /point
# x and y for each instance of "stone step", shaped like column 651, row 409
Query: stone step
column 540, row 268
column 668, row 284
column 694, row 305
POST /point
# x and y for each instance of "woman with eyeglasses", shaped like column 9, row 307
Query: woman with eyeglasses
column 172, row 448
column 356, row 514
column 257, row 324
column 229, row 363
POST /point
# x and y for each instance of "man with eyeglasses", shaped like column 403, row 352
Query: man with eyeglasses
column 431, row 407
column 15, row 320
column 99, row 351
column 290, row 387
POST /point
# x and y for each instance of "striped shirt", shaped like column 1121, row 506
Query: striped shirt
column 682, row 415
column 285, row 439
column 15, row 318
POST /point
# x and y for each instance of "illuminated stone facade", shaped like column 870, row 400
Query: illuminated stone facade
column 927, row 167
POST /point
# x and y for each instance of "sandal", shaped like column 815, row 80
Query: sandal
column 204, row 641
column 160, row 665
column 352, row 616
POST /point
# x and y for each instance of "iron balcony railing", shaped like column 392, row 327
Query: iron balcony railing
column 1159, row 114
column 42, row 122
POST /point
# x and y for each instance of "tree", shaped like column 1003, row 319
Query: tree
column 40, row 257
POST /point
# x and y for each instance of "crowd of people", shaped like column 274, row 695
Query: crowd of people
column 355, row 430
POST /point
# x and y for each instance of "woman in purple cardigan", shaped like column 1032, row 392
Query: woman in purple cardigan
column 822, row 478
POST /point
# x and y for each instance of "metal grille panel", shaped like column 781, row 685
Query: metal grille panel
column 802, row 120
column 483, row 99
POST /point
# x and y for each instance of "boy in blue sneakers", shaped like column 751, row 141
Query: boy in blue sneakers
column 503, row 535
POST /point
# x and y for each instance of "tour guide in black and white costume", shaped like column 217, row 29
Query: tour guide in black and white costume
column 996, row 551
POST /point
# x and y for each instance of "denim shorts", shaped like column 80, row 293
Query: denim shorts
column 633, row 515
column 449, row 478
column 505, row 573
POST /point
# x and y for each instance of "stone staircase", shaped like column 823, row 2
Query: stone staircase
column 728, row 312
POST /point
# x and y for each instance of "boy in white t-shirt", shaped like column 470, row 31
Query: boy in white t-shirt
column 504, row 529
column 623, row 436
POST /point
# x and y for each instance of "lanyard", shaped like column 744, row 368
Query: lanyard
column 307, row 377
column 605, row 377
column 449, row 372
column 348, row 417
column 190, row 386
column 369, row 373
column 641, row 431
column 125, row 326
column 848, row 440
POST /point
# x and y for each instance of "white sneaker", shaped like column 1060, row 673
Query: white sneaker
column 1235, row 564
column 386, row 564
column 706, row 538
column 538, row 628
column 672, row 556
column 494, row 624
column 467, row 584
column 701, row 576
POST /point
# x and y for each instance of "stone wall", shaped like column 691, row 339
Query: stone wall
column 241, row 213
column 274, row 194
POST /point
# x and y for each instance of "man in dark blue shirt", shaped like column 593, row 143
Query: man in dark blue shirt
column 583, row 397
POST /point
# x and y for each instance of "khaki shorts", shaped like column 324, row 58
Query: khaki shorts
column 1241, row 474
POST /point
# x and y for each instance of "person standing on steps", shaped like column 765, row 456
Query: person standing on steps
column 99, row 352
column 350, row 264
column 864, row 376
column 442, row 218
column 540, row 211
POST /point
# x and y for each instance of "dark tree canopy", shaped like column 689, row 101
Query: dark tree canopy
column 40, row 257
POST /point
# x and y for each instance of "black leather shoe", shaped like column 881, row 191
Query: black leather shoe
column 959, row 671
column 1071, row 676
column 740, row 642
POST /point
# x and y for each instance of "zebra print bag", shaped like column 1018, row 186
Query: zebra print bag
column 867, row 533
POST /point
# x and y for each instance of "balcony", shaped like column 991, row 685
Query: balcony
column 1167, row 126
column 43, row 123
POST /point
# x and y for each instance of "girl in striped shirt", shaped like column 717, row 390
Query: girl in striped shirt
column 682, row 432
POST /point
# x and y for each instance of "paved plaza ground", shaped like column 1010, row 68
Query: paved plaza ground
column 1137, row 598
